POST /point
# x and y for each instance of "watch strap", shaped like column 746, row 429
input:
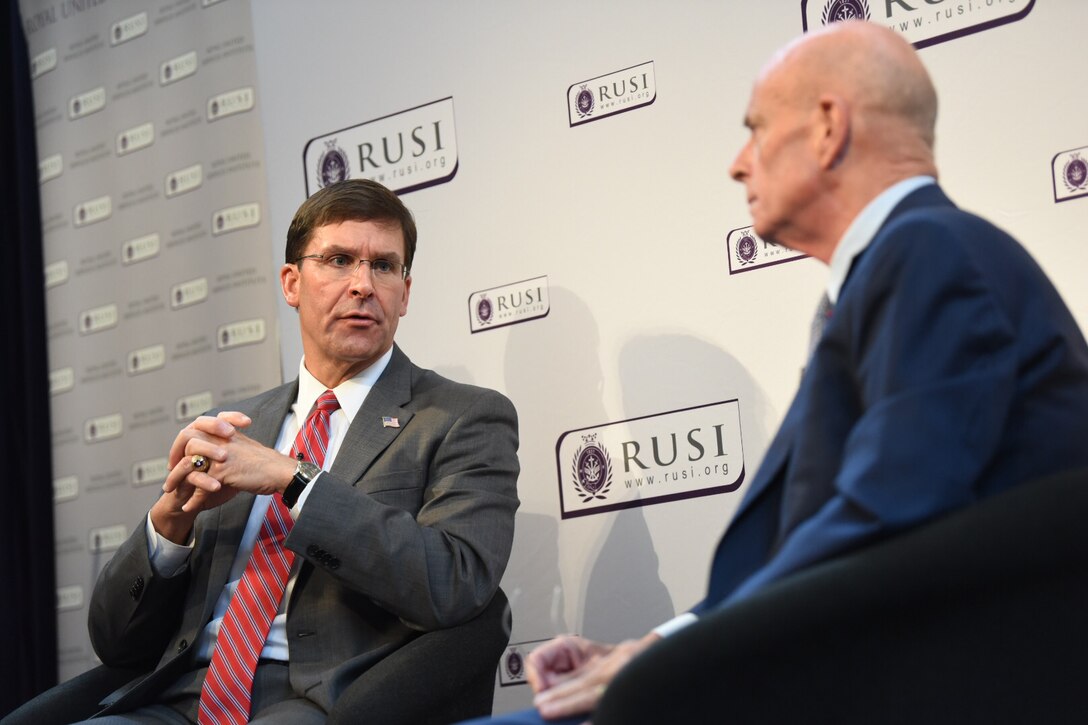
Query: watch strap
column 304, row 473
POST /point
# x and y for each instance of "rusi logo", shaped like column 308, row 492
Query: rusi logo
column 178, row 182
column 189, row 293
column 42, row 63
column 56, row 273
column 512, row 664
column 106, row 538
column 624, row 90
column 140, row 249
column 50, row 168
column 513, row 667
column 653, row 459
column 61, row 380
column 129, row 28
column 65, row 488
column 190, row 406
column 747, row 251
column 509, row 304
column 405, row 151
column 230, row 103
column 175, row 69
column 84, row 104
column 153, row 470
column 135, row 138
column 103, row 428
column 97, row 319
column 91, row 211
column 1070, row 173
column 922, row 22
column 591, row 470
column 146, row 359
column 837, row 10
column 70, row 597
column 236, row 334
column 234, row 218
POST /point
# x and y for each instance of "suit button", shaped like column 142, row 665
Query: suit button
column 182, row 645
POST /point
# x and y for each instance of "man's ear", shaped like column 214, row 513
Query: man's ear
column 289, row 282
column 833, row 131
column 404, row 298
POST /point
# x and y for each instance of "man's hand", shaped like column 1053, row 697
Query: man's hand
column 217, row 430
column 569, row 674
column 234, row 462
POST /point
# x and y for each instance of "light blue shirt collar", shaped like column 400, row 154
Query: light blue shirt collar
column 864, row 227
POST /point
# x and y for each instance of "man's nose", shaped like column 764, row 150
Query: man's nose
column 739, row 168
column 362, row 279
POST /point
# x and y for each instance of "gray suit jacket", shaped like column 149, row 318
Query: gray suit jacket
column 409, row 530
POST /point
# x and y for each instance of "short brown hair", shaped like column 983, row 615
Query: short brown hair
column 352, row 200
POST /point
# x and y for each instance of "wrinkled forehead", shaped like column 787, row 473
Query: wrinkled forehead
column 769, row 93
column 360, row 237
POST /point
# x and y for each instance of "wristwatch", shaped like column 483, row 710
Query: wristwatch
column 305, row 472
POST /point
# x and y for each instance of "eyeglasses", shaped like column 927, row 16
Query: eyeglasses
column 341, row 266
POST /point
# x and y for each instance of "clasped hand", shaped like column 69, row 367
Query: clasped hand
column 234, row 462
column 569, row 674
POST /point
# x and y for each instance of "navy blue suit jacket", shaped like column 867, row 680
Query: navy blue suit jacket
column 949, row 371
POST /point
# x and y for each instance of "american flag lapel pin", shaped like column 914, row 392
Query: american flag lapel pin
column 390, row 422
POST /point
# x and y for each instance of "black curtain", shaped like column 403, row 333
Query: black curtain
column 28, row 657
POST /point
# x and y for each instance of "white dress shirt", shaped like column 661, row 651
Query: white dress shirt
column 169, row 559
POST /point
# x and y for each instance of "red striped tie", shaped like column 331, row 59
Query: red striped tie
column 225, row 697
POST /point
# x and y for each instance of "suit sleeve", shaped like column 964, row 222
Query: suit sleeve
column 133, row 612
column 441, row 565
column 934, row 363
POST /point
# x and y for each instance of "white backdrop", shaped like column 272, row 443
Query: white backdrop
column 628, row 218
column 650, row 312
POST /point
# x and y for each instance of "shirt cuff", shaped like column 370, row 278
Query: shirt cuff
column 675, row 624
column 167, row 558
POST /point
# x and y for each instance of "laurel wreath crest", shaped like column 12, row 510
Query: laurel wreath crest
column 833, row 4
column 338, row 153
column 1070, row 185
column 744, row 261
column 578, row 106
column 479, row 317
column 587, row 496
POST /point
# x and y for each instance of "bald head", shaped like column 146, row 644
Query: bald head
column 836, row 117
column 874, row 69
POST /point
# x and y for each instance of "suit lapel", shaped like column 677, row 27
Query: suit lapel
column 778, row 454
column 369, row 433
column 268, row 414
column 774, row 460
column 781, row 448
column 926, row 196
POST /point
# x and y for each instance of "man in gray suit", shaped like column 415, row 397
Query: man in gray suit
column 407, row 528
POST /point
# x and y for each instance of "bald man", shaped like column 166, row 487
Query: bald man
column 947, row 369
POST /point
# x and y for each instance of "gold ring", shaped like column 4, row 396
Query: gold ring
column 199, row 462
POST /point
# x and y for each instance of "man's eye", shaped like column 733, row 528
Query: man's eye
column 340, row 260
column 382, row 266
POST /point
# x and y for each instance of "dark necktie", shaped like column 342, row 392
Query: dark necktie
column 819, row 322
